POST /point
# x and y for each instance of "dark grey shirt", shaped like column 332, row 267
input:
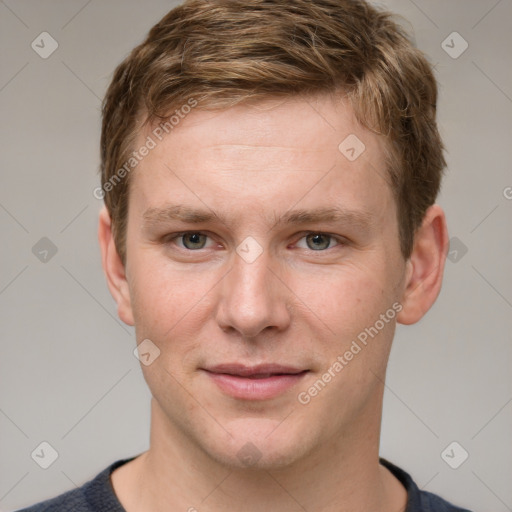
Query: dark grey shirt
column 98, row 495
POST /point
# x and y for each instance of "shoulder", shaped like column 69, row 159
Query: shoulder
column 97, row 495
column 429, row 502
column 420, row 501
column 71, row 500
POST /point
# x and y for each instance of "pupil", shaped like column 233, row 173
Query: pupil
column 192, row 240
column 319, row 241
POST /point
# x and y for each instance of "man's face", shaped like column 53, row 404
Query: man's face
column 234, row 257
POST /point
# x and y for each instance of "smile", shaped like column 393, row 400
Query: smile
column 261, row 382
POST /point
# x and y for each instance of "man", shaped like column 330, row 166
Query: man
column 269, row 171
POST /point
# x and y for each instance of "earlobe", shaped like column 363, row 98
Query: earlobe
column 114, row 268
column 425, row 267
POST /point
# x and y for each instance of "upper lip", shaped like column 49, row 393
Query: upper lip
column 248, row 371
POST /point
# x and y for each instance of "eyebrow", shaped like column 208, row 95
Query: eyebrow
column 358, row 218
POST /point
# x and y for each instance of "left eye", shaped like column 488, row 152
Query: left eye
column 318, row 241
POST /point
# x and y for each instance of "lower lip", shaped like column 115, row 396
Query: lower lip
column 255, row 389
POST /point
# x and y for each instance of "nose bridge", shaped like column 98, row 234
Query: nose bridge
column 252, row 298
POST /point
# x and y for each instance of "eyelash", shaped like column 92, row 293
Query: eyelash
column 174, row 236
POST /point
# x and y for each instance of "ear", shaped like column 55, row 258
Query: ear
column 425, row 267
column 114, row 268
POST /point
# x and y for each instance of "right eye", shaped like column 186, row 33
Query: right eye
column 190, row 240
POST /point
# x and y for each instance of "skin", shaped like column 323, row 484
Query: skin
column 301, row 303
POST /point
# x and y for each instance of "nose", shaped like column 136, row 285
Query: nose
column 253, row 299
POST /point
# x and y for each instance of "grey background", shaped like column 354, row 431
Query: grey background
column 67, row 372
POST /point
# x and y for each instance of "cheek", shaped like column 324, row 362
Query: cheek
column 175, row 308
column 348, row 304
column 346, row 299
column 161, row 294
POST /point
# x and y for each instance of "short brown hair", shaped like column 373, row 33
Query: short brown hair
column 222, row 52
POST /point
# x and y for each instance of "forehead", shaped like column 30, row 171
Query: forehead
column 272, row 149
column 302, row 124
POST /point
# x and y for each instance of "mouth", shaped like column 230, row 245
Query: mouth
column 261, row 382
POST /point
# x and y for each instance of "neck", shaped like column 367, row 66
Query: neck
column 175, row 474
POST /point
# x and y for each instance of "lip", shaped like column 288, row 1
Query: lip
column 260, row 382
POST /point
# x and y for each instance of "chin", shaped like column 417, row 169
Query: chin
column 259, row 443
